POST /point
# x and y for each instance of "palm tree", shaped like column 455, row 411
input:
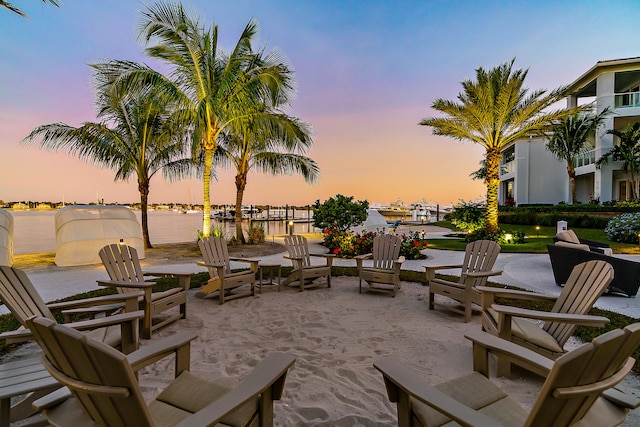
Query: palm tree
column 569, row 138
column 273, row 144
column 14, row 9
column 628, row 151
column 494, row 111
column 138, row 135
column 215, row 88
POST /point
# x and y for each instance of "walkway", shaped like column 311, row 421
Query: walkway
column 527, row 271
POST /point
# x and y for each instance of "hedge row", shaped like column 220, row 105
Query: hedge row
column 550, row 219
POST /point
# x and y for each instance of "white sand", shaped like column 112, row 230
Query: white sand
column 335, row 335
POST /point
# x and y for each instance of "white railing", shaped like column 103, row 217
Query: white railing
column 629, row 99
column 508, row 167
column 584, row 159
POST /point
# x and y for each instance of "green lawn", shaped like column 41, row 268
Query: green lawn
column 536, row 241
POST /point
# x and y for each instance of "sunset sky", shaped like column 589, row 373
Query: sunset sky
column 367, row 72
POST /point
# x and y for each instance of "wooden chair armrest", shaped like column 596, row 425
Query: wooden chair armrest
column 401, row 380
column 268, row 374
column 476, row 274
column 102, row 322
column 52, row 399
column 485, row 343
column 363, row 256
column 93, row 310
column 120, row 284
column 178, row 344
column 442, row 267
column 90, row 302
column 324, row 255
column 400, row 260
column 216, row 265
column 580, row 319
column 621, row 398
column 516, row 294
column 247, row 260
column 16, row 336
column 24, row 334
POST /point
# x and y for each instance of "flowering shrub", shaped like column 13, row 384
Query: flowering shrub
column 624, row 228
column 347, row 245
column 412, row 245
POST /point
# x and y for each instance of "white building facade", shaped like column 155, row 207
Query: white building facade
column 531, row 175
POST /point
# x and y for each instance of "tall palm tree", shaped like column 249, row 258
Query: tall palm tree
column 274, row 144
column 215, row 88
column 138, row 135
column 569, row 138
column 14, row 9
column 494, row 111
column 628, row 151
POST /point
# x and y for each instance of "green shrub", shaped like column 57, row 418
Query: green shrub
column 468, row 216
column 340, row 212
column 624, row 228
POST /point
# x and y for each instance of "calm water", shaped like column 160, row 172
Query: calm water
column 34, row 231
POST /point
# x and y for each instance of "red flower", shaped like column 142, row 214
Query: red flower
column 336, row 251
column 416, row 243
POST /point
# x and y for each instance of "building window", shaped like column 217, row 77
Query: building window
column 622, row 194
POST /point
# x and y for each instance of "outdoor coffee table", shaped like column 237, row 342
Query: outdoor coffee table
column 272, row 269
column 20, row 378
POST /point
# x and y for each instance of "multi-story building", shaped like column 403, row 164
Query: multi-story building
column 531, row 175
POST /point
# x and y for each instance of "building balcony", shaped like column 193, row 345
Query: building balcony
column 629, row 99
column 507, row 167
column 584, row 159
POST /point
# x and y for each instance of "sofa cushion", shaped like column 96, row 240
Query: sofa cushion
column 568, row 236
column 573, row 245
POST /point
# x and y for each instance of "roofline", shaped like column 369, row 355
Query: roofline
column 597, row 69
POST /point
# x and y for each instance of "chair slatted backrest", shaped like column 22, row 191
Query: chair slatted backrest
column 585, row 285
column 98, row 376
column 479, row 257
column 298, row 248
column 122, row 265
column 20, row 296
column 386, row 250
column 578, row 377
column 214, row 251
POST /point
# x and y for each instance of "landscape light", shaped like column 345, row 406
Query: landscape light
column 508, row 237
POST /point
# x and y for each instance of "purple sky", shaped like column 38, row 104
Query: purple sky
column 367, row 72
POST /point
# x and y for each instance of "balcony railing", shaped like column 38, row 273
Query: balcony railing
column 629, row 99
column 584, row 159
column 508, row 167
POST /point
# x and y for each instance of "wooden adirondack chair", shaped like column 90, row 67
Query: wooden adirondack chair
column 477, row 266
column 222, row 278
column 304, row 272
column 123, row 266
column 577, row 389
column 384, row 275
column 106, row 392
column 21, row 298
column 587, row 282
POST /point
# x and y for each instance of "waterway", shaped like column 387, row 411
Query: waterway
column 34, row 230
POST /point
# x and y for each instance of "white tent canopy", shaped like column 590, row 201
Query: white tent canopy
column 374, row 222
column 81, row 231
column 6, row 238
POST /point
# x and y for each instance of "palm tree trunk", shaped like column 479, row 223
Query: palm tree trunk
column 492, row 182
column 572, row 182
column 143, row 188
column 206, row 178
column 634, row 194
column 241, row 183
